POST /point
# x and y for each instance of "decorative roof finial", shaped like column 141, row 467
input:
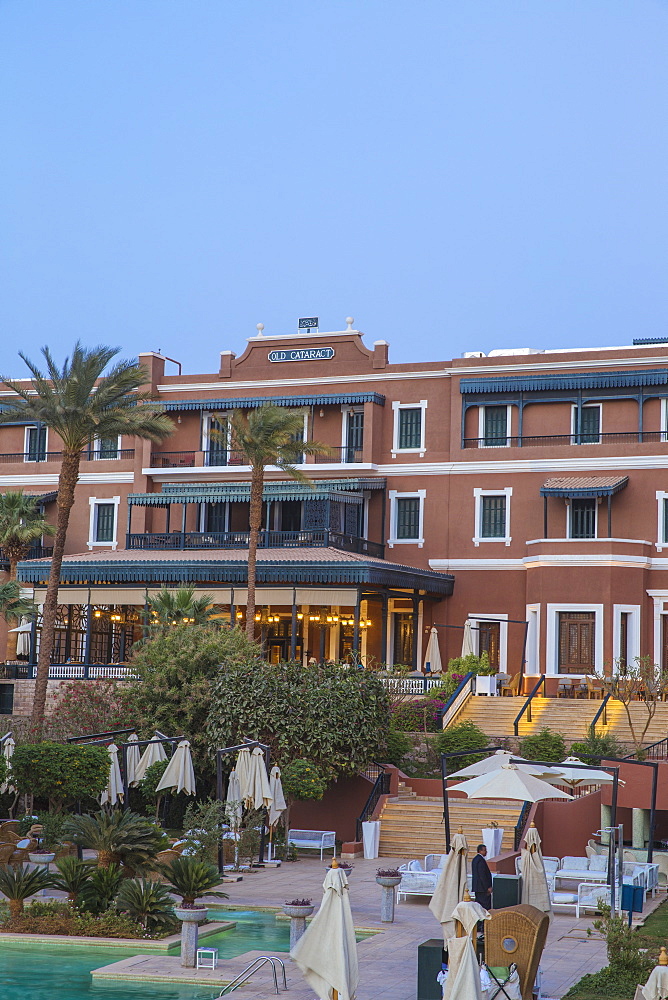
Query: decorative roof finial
column 350, row 320
column 260, row 328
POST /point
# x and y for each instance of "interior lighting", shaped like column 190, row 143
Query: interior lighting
column 299, row 616
column 240, row 614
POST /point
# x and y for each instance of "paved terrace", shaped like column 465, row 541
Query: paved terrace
column 388, row 961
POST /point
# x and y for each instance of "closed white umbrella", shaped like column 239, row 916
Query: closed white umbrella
column 468, row 646
column 259, row 792
column 23, row 638
column 574, row 777
column 278, row 803
column 327, row 951
column 151, row 755
column 535, row 889
column 7, row 751
column 432, row 657
column 179, row 773
column 508, row 782
column 132, row 757
column 233, row 807
column 463, row 982
column 498, row 760
column 656, row 987
column 243, row 769
column 451, row 885
column 113, row 793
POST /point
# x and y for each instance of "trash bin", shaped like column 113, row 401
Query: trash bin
column 430, row 961
column 633, row 897
column 506, row 891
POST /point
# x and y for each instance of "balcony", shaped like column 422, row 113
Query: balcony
column 314, row 538
column 553, row 440
column 35, row 552
column 341, row 455
column 37, row 457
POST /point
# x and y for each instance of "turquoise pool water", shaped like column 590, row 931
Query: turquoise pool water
column 41, row 972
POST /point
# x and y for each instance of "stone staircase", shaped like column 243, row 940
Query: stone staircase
column 411, row 826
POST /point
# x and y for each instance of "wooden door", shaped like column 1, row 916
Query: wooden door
column 576, row 642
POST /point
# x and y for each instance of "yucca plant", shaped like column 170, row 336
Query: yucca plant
column 189, row 878
column 147, row 902
column 72, row 876
column 119, row 837
column 17, row 884
column 100, row 890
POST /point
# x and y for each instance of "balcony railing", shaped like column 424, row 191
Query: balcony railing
column 19, row 670
column 312, row 538
column 55, row 456
column 554, row 440
column 34, row 552
column 188, row 459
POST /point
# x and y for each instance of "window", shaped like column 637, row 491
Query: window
column 582, row 519
column 587, row 429
column 402, row 647
column 35, row 444
column 406, row 517
column 492, row 516
column 409, row 427
column 6, row 699
column 576, row 642
column 495, row 423
column 623, row 658
column 107, row 447
column 216, row 441
column 103, row 521
column 625, row 634
column 354, row 436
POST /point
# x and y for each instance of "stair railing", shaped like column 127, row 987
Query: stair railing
column 381, row 786
column 602, row 714
column 250, row 970
column 521, row 823
column 526, row 707
column 456, row 700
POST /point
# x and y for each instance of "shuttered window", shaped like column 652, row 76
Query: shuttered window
column 576, row 642
column 495, row 426
column 216, row 453
column 107, row 447
column 587, row 429
column 354, row 436
column 6, row 699
column 36, row 444
column 408, row 517
column 410, row 428
column 104, row 522
column 583, row 519
column 493, row 517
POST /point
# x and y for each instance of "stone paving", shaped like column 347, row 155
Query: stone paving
column 388, row 960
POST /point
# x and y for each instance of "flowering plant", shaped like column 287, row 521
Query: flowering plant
column 303, row 780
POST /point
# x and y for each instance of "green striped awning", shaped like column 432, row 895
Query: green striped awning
column 343, row 490
column 251, row 402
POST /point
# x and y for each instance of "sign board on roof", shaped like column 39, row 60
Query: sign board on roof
column 303, row 354
column 308, row 323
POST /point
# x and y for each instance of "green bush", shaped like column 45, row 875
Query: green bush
column 397, row 745
column 598, row 746
column 100, row 890
column 458, row 737
column 150, row 782
column 57, row 917
column 202, row 826
column 470, row 664
column 147, row 903
column 60, row 772
column 545, row 745
column 52, row 823
column 302, row 780
column 119, row 837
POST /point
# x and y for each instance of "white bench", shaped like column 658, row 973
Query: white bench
column 316, row 840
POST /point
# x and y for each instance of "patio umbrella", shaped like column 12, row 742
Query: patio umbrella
column 327, row 951
column 496, row 761
column 432, row 657
column 132, row 757
column 179, row 773
column 7, row 751
column 463, row 982
column 151, row 755
column 467, row 639
column 508, row 782
column 451, row 885
column 574, row 777
column 535, row 889
column 23, row 638
column 278, row 803
column 233, row 807
column 243, row 769
column 113, row 793
column 656, row 987
column 259, row 793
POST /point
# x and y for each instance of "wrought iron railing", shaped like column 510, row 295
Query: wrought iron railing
column 341, row 455
column 306, row 538
column 602, row 714
column 454, row 703
column 652, row 751
column 526, row 707
column 54, row 456
column 71, row 671
column 224, row 457
column 381, row 786
column 35, row 552
column 521, row 823
column 549, row 440
column 410, row 685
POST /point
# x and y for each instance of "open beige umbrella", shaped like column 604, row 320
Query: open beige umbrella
column 151, row 755
column 132, row 758
column 451, row 885
column 243, row 769
column 179, row 773
column 259, row 793
column 7, row 751
column 498, row 760
column 535, row 889
column 327, row 951
column 113, row 793
column 574, row 777
column 508, row 782
column 432, row 657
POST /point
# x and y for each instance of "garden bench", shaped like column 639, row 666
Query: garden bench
column 316, row 840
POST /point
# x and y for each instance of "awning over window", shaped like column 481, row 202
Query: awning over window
column 343, row 490
column 584, row 487
column 251, row 402
column 580, row 380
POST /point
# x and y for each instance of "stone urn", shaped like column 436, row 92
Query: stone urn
column 388, row 885
column 43, row 858
column 298, row 915
column 347, row 871
column 190, row 919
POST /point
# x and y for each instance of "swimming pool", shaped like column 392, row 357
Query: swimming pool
column 41, row 972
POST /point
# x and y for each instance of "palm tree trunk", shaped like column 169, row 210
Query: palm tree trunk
column 15, row 908
column 255, row 519
column 67, row 481
column 104, row 859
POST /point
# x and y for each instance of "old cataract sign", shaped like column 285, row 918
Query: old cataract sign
column 303, row 354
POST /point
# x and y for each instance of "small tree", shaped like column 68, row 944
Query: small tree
column 459, row 737
column 149, row 784
column 59, row 772
column 94, row 707
column 179, row 607
column 640, row 681
column 545, row 745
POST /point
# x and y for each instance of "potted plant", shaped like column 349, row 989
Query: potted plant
column 388, row 879
column 345, row 866
column 43, row 854
column 298, row 910
column 189, row 878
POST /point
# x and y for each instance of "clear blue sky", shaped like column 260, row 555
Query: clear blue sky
column 455, row 174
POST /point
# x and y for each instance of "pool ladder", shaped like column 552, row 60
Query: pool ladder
column 251, row 969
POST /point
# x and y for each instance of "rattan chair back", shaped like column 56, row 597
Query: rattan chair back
column 517, row 934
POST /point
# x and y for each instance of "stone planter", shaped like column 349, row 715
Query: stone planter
column 190, row 921
column 388, row 884
column 42, row 859
column 298, row 915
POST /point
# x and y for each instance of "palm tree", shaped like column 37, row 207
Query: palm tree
column 17, row 884
column 72, row 877
column 21, row 524
column 13, row 607
column 118, row 837
column 80, row 403
column 189, row 878
column 180, row 607
column 268, row 435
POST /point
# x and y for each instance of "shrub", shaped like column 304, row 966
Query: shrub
column 150, row 782
column 189, row 878
column 397, row 745
column 423, row 715
column 52, row 824
column 462, row 736
column 470, row 664
column 203, row 824
column 147, row 903
column 545, row 745
column 94, row 707
column 302, row 780
column 626, row 948
column 60, row 772
column 100, row 889
column 17, row 884
column 118, row 836
column 598, row 746
column 55, row 917
column 72, row 876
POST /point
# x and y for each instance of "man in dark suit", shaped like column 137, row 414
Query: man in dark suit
column 482, row 878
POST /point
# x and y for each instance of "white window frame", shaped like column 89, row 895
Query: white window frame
column 206, row 431
column 664, row 419
column 661, row 498
column 481, row 426
column 574, row 435
column 26, row 434
column 394, row 495
column 532, row 654
column 92, row 522
column 475, row 618
column 396, row 407
column 97, row 442
column 346, row 410
column 660, row 601
column 633, row 637
column 552, row 645
column 569, row 515
column 477, row 529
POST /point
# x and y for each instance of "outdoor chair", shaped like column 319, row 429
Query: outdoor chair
column 510, row 688
column 590, row 897
column 594, row 689
column 9, row 826
column 501, row 983
column 516, row 934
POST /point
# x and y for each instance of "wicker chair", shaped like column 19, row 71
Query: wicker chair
column 10, row 826
column 527, row 927
column 6, row 851
column 20, row 855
